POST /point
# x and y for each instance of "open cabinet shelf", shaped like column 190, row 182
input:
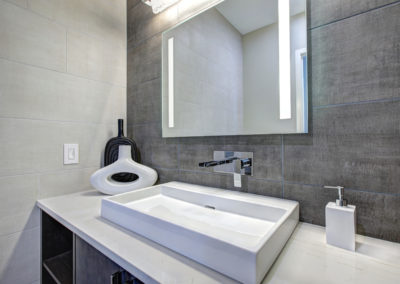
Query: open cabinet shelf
column 60, row 268
column 68, row 259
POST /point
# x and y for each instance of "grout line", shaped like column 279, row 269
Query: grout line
column 346, row 189
column 373, row 192
column 58, row 121
column 54, row 21
column 140, row 82
column 141, row 42
column 358, row 103
column 38, row 173
column 141, row 124
column 354, row 15
column 60, row 72
column 279, row 181
column 264, row 179
column 130, row 86
column 66, row 51
column 20, row 231
column 212, row 173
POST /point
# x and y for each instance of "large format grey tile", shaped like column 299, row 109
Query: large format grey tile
column 323, row 12
column 163, row 154
column 267, row 159
column 143, row 134
column 143, row 24
column 140, row 13
column 143, row 147
column 191, row 155
column 29, row 38
column 144, row 152
column 218, row 180
column 272, row 140
column 358, row 162
column 312, row 200
column 378, row 118
column 355, row 146
column 357, row 59
column 144, row 102
column 207, row 179
column 165, row 175
column 377, row 214
column 216, row 141
column 144, row 61
column 132, row 3
column 145, row 131
column 264, row 187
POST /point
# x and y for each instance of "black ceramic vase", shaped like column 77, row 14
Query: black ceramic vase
column 111, row 153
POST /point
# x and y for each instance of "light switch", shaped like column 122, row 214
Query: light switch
column 71, row 154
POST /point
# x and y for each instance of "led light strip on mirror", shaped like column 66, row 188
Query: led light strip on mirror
column 284, row 60
column 171, row 82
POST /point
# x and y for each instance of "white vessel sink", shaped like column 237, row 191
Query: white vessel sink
column 237, row 234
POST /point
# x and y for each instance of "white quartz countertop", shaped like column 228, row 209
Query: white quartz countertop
column 306, row 257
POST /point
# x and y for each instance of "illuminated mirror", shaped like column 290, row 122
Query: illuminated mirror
column 238, row 68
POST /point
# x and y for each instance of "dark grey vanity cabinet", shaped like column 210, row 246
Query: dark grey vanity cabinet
column 91, row 266
column 56, row 252
column 67, row 259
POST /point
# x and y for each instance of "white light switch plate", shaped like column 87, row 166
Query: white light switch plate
column 71, row 154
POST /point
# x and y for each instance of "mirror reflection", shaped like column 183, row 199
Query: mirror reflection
column 238, row 68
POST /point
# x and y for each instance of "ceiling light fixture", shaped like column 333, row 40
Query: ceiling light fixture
column 159, row 5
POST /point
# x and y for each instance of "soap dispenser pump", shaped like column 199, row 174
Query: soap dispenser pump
column 340, row 221
column 340, row 201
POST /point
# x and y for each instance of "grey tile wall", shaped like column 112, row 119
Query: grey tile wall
column 354, row 110
column 62, row 80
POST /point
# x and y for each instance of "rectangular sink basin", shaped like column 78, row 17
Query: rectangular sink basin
column 237, row 234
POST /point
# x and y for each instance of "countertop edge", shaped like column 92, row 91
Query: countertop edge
column 100, row 247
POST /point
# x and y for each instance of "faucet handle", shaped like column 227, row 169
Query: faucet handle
column 245, row 163
column 340, row 201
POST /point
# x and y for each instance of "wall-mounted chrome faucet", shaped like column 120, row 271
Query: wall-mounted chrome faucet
column 236, row 163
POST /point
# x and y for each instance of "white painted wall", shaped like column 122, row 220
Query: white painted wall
column 62, row 80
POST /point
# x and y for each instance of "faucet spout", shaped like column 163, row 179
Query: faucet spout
column 216, row 163
column 236, row 163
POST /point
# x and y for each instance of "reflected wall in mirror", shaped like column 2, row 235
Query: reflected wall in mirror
column 238, row 68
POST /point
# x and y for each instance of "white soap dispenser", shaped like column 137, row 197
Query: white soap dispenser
column 340, row 221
